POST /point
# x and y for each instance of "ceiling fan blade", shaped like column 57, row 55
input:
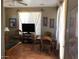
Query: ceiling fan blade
column 19, row 0
column 22, row 3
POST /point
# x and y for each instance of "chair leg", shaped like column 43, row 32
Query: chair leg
column 40, row 47
column 49, row 51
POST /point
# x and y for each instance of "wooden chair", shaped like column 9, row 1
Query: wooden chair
column 37, row 43
column 46, row 46
column 54, row 46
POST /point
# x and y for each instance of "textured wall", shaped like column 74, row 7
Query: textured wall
column 2, row 34
column 71, row 44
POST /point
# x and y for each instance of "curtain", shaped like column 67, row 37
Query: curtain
column 31, row 17
column 57, row 27
column 60, row 30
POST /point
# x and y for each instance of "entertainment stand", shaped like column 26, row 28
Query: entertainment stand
column 26, row 38
column 26, row 29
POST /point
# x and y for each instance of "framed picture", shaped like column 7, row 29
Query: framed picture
column 45, row 21
column 51, row 23
column 12, row 22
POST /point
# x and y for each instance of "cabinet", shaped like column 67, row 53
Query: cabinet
column 6, row 39
column 27, row 38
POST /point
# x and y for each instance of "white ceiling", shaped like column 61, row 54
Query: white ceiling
column 31, row 3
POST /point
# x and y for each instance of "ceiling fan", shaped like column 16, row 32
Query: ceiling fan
column 20, row 2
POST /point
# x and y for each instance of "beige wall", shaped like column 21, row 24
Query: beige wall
column 49, row 12
column 3, row 34
column 12, row 12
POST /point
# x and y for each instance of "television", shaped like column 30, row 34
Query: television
column 28, row 28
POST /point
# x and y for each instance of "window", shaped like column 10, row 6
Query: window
column 31, row 17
